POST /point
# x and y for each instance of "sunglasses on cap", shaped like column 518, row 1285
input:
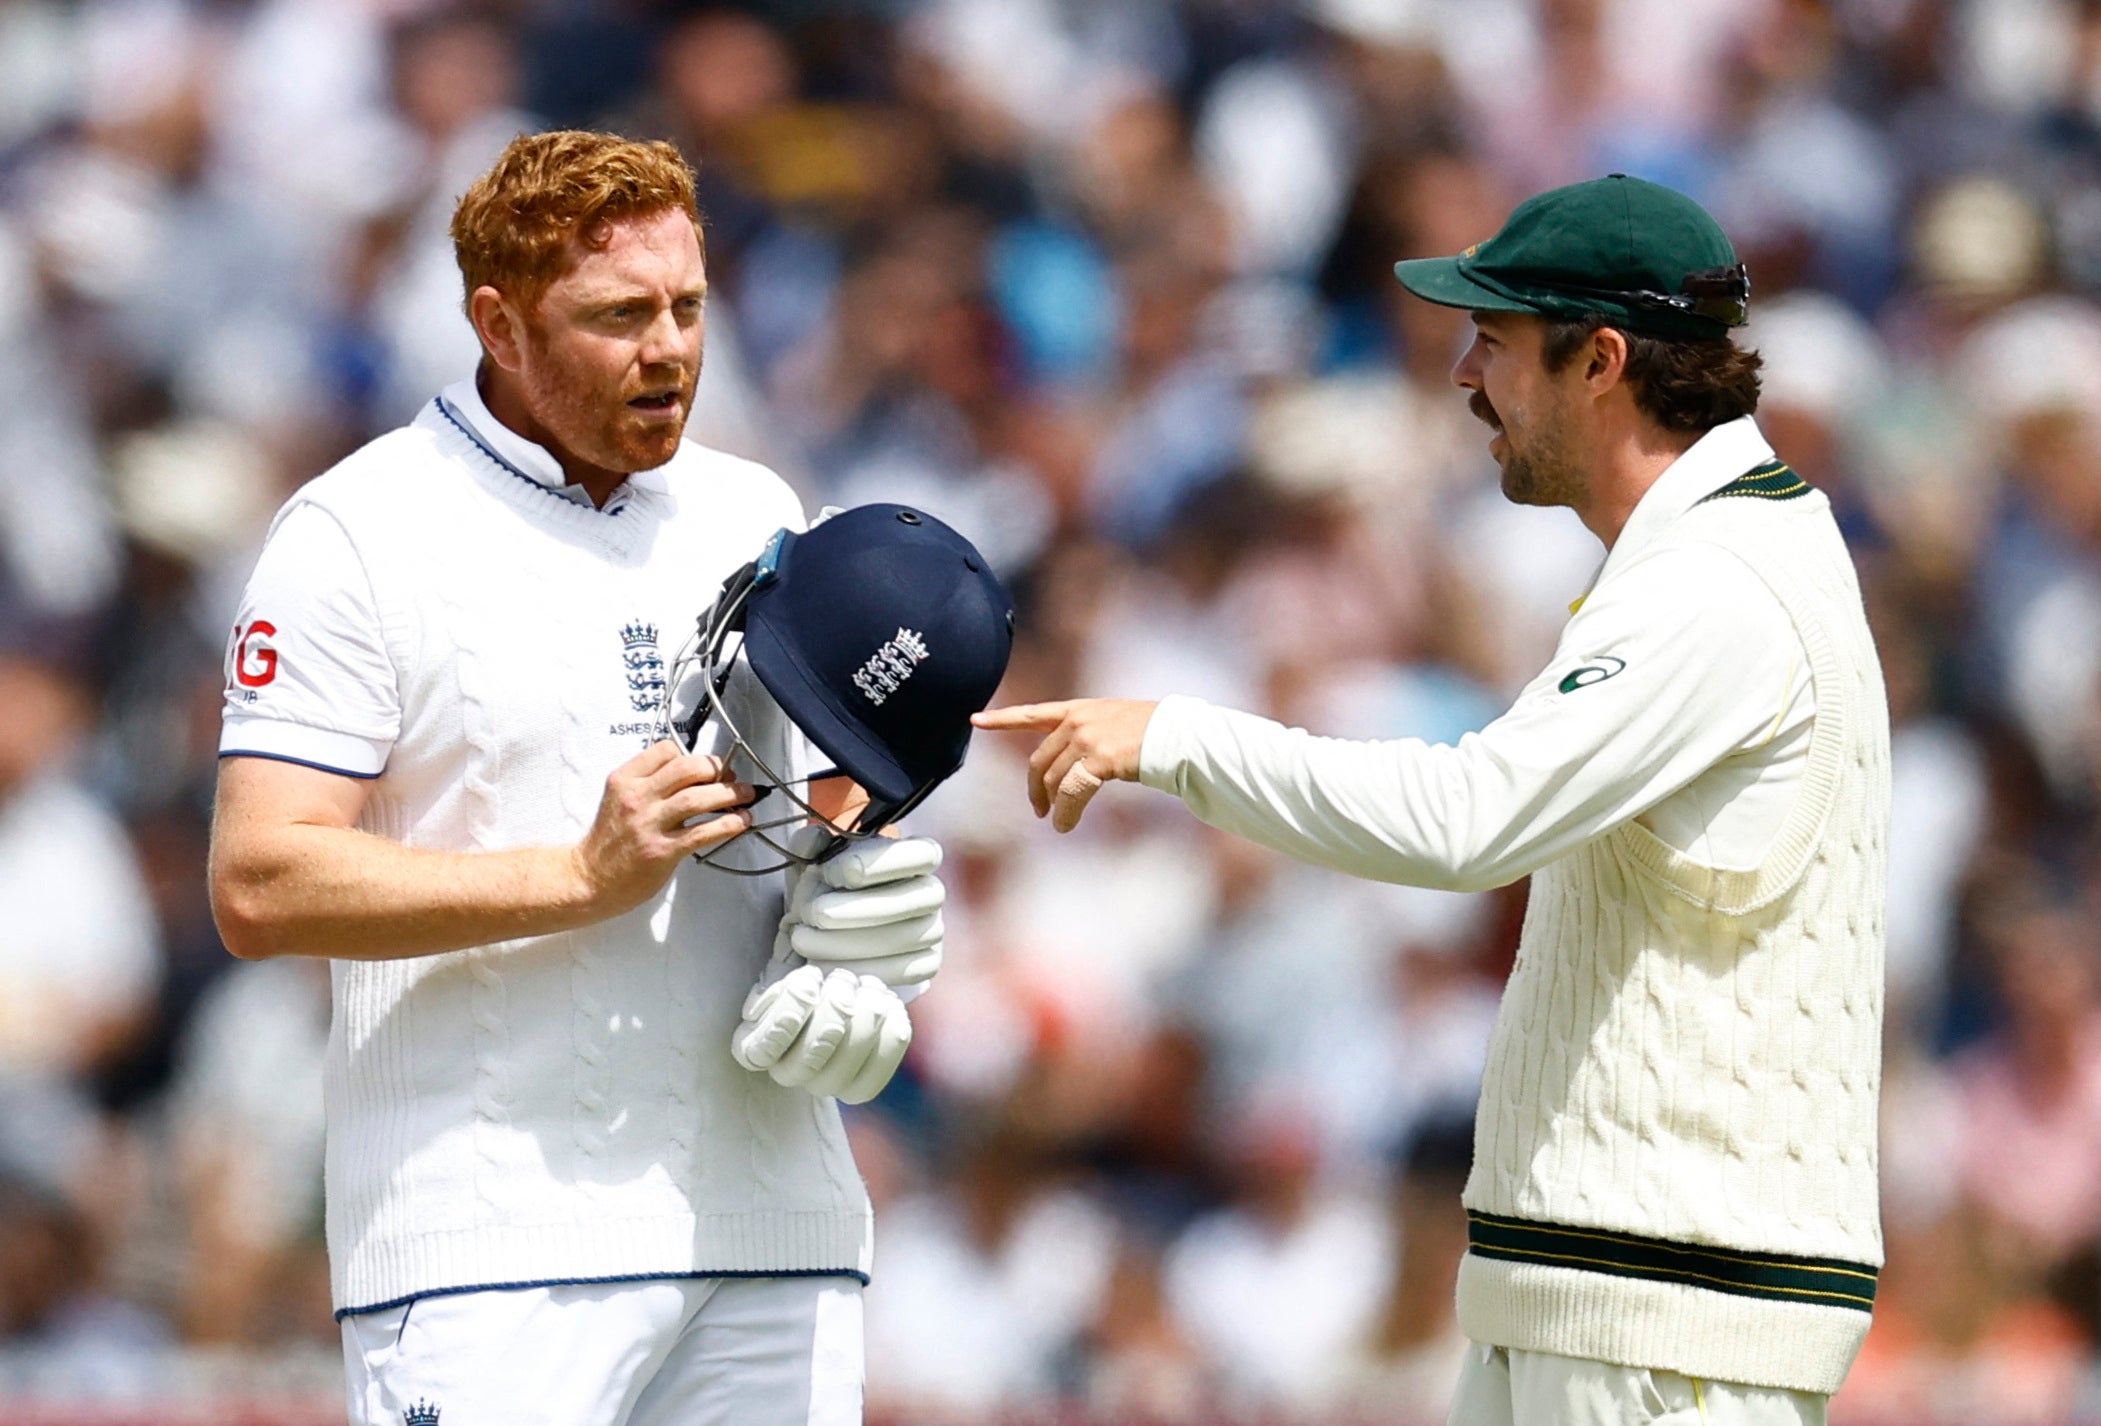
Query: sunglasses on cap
column 1720, row 294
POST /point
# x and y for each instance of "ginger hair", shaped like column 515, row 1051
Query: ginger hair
column 513, row 228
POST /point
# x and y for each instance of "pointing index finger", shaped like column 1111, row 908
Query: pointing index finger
column 1023, row 717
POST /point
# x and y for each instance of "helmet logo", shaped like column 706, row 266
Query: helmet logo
column 889, row 666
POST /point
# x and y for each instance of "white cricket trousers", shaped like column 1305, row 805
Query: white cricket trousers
column 1499, row 1387
column 770, row 1351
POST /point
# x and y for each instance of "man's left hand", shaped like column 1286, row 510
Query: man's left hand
column 1092, row 741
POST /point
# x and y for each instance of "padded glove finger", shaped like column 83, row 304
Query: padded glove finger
column 872, row 861
column 761, row 999
column 822, row 1033
column 816, row 904
column 816, row 944
column 775, row 1016
column 907, row 972
column 893, row 1038
column 863, row 1038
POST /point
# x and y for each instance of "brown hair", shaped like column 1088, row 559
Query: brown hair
column 513, row 227
column 1680, row 385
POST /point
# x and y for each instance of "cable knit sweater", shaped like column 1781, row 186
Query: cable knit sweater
column 562, row 1108
column 1675, row 1155
column 1676, row 1158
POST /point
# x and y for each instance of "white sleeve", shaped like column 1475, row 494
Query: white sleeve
column 1682, row 661
column 308, row 677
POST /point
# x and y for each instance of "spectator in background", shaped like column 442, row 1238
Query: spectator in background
column 2032, row 1095
column 1940, row 800
column 246, row 1106
column 1403, row 1368
column 2035, row 373
column 80, row 965
column 454, row 76
column 1825, row 373
column 80, row 957
column 57, row 541
column 1140, row 1361
column 989, row 1280
column 1276, row 1286
column 1968, row 1332
column 57, row 1316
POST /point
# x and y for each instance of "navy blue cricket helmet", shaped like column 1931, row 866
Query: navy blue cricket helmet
column 878, row 632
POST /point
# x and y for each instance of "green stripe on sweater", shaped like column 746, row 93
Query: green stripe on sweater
column 1776, row 1277
column 1773, row 480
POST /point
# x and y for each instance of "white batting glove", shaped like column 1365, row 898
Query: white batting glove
column 833, row 1033
column 873, row 909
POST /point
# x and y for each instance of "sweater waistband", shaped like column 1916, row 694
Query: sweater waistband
column 1773, row 1276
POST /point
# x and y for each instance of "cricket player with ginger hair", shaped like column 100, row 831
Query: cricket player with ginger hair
column 1672, row 1204
column 562, row 1184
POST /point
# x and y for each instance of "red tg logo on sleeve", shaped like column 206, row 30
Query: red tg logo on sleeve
column 254, row 659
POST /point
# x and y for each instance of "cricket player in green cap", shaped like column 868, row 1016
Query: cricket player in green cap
column 1672, row 1205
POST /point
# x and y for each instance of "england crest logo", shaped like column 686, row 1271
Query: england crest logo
column 645, row 667
column 889, row 666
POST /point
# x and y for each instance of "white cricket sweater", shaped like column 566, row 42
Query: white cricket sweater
column 1675, row 1157
column 561, row 1108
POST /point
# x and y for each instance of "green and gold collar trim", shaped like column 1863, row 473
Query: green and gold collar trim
column 1774, row 1276
column 1774, row 480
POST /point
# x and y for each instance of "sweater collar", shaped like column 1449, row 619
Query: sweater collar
column 528, row 460
column 1708, row 464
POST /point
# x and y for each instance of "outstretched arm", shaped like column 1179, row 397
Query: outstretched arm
column 1688, row 661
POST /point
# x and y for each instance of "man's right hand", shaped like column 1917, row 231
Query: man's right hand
column 640, row 835
column 834, row 1033
column 293, row 875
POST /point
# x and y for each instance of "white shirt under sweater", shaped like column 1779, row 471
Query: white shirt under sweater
column 440, row 615
column 1687, row 1058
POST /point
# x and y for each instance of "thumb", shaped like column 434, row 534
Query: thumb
column 773, row 1016
column 759, row 1000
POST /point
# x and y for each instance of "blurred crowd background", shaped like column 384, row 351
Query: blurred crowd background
column 1106, row 284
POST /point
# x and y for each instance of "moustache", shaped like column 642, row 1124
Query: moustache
column 1478, row 404
column 683, row 380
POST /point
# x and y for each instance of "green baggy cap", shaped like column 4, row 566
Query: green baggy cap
column 1641, row 256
